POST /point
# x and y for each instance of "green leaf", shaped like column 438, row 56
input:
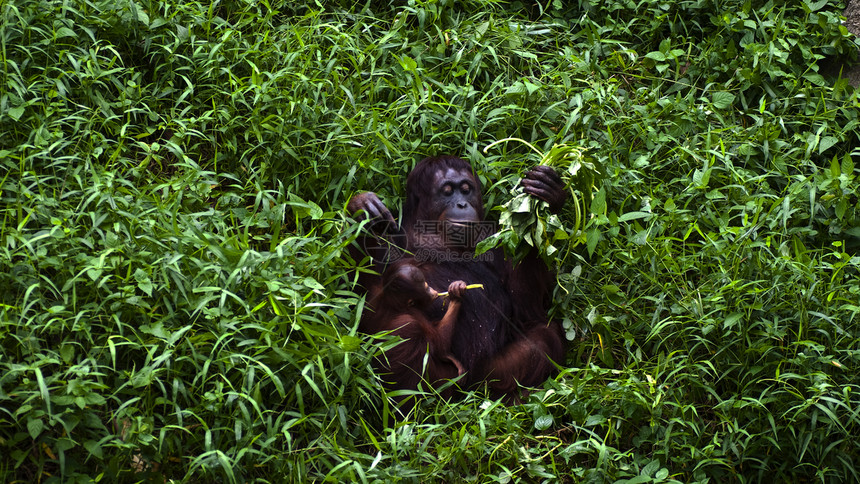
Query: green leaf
column 656, row 55
column 732, row 320
column 480, row 30
column 626, row 217
column 303, row 209
column 35, row 427
column 543, row 422
column 63, row 32
column 94, row 274
column 408, row 64
column 592, row 237
column 835, row 168
column 841, row 208
column 701, row 178
column 638, row 480
column 598, row 203
column 722, row 100
column 140, row 14
column 487, row 244
column 593, row 420
column 67, row 352
column 43, row 387
column 815, row 6
column 518, row 88
column 526, row 54
column 16, row 112
column 826, row 143
column 350, row 343
column 521, row 204
column 815, row 78
column 847, row 165
column 94, row 448
column 143, row 281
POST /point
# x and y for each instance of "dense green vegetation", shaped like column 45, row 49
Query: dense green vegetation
column 176, row 299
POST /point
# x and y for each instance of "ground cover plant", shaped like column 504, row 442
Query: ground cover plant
column 176, row 294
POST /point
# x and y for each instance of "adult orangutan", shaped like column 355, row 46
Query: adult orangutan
column 502, row 334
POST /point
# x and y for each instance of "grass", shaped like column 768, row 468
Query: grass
column 177, row 300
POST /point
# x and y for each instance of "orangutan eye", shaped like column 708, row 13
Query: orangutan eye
column 465, row 188
column 447, row 190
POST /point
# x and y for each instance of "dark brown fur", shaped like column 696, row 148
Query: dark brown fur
column 502, row 334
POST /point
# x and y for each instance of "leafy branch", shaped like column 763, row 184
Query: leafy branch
column 526, row 222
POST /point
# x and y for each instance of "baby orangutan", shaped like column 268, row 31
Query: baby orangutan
column 401, row 307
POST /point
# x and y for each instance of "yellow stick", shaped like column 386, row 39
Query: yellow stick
column 470, row 286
